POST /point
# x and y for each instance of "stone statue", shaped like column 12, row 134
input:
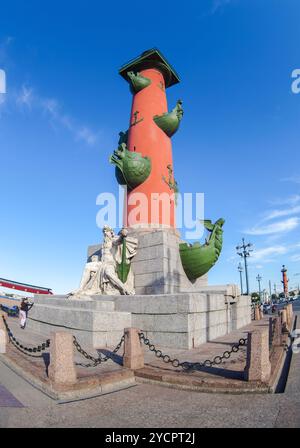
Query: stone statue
column 100, row 276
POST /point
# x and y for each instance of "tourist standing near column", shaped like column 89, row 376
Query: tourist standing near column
column 24, row 308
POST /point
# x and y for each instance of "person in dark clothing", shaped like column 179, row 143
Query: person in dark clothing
column 24, row 308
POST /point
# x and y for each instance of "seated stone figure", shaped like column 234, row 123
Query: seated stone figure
column 100, row 276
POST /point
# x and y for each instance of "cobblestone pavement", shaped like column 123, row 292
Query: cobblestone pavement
column 154, row 406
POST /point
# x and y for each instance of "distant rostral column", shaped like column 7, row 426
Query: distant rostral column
column 144, row 157
column 285, row 280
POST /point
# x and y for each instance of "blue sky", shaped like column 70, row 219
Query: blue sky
column 65, row 104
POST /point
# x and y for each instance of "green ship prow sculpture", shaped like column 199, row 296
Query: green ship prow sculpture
column 169, row 122
column 137, row 82
column 197, row 259
column 132, row 169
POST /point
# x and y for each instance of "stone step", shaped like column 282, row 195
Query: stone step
column 100, row 303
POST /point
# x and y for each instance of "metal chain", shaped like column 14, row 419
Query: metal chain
column 100, row 359
column 25, row 350
column 186, row 365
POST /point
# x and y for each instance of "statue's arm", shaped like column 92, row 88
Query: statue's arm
column 85, row 276
column 118, row 239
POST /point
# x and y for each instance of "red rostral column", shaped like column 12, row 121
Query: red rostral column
column 148, row 139
column 285, row 280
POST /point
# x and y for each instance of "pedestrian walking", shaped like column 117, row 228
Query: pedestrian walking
column 261, row 309
column 24, row 308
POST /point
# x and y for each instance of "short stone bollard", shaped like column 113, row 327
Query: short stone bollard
column 133, row 352
column 62, row 369
column 284, row 323
column 3, row 341
column 275, row 326
column 2, row 327
column 257, row 315
column 289, row 311
column 258, row 366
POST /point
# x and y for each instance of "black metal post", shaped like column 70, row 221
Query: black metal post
column 245, row 253
column 259, row 278
column 240, row 269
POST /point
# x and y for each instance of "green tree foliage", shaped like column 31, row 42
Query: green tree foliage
column 255, row 297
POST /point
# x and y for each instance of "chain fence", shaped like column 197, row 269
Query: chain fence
column 101, row 358
column 22, row 348
column 186, row 365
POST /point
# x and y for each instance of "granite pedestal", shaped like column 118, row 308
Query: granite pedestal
column 167, row 307
column 183, row 320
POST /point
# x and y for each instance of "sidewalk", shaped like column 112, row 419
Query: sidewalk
column 153, row 406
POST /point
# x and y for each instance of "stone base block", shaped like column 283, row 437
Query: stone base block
column 94, row 323
column 182, row 320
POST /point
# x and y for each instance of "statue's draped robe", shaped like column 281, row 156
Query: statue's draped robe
column 109, row 268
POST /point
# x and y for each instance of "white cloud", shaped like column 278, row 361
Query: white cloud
column 87, row 136
column 295, row 179
column 218, row 4
column 25, row 97
column 280, row 213
column 51, row 107
column 4, row 44
column 277, row 227
column 264, row 254
column 292, row 200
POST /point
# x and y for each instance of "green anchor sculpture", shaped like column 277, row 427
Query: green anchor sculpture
column 171, row 182
column 132, row 169
column 198, row 259
column 138, row 82
column 123, row 268
column 169, row 121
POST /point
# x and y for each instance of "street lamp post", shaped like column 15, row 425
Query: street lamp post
column 243, row 251
column 259, row 279
column 240, row 269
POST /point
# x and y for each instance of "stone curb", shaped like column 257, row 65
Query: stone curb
column 277, row 372
column 251, row 389
column 111, row 383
